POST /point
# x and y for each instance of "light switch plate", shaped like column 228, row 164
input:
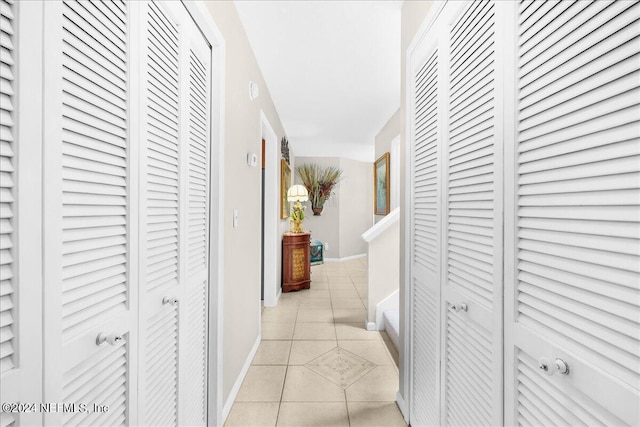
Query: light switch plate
column 252, row 159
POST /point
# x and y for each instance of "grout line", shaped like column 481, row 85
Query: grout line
column 346, row 402
column 286, row 371
column 284, row 382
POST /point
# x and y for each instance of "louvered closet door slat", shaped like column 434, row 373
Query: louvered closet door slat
column 8, row 283
column 476, row 192
column 161, row 212
column 471, row 346
column 161, row 368
column 92, row 100
column 84, row 46
column 94, row 17
column 197, row 104
column 10, row 372
column 424, row 170
column 425, row 265
column 90, row 250
column 83, row 69
column 614, row 29
column 108, row 369
column 578, row 213
column 157, row 191
column 198, row 171
column 613, row 158
column 78, row 191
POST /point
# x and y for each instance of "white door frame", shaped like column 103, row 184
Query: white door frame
column 271, row 242
column 211, row 32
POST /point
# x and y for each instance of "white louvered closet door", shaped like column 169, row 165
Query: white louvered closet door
column 574, row 259
column 89, row 276
column 174, row 218
column 161, row 211
column 472, row 221
column 425, row 153
column 9, row 368
column 196, row 79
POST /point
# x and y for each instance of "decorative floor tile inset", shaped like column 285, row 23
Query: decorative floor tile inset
column 341, row 367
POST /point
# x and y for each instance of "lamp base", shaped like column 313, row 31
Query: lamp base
column 295, row 226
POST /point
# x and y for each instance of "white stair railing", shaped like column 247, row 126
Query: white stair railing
column 383, row 241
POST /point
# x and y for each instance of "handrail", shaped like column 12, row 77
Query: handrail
column 382, row 225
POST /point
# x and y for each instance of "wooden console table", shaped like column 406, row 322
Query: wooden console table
column 296, row 265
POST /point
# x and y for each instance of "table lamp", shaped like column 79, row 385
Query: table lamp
column 297, row 193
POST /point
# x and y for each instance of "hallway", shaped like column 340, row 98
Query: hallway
column 146, row 147
column 316, row 365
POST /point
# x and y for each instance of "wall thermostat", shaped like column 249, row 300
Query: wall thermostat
column 254, row 91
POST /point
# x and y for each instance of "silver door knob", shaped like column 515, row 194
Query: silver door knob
column 111, row 339
column 545, row 366
column 170, row 300
column 562, row 367
column 459, row 307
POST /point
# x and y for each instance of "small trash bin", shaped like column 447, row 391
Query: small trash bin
column 317, row 252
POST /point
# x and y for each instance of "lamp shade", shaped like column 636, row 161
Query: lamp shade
column 297, row 193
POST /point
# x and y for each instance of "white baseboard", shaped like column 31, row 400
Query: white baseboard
column 370, row 326
column 275, row 303
column 392, row 302
column 236, row 386
column 403, row 406
column 347, row 258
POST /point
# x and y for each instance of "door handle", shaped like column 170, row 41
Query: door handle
column 111, row 339
column 459, row 307
column 558, row 365
column 170, row 300
column 544, row 366
column 562, row 366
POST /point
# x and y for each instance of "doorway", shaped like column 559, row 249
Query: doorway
column 262, row 163
column 270, row 247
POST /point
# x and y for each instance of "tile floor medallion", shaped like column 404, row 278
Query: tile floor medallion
column 341, row 367
column 317, row 365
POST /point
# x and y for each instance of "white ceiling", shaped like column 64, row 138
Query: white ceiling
column 332, row 68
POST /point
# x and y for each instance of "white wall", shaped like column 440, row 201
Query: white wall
column 383, row 140
column 383, row 267
column 356, row 206
column 348, row 213
column 389, row 131
column 242, row 191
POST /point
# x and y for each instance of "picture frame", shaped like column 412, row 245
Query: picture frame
column 381, row 197
column 285, row 183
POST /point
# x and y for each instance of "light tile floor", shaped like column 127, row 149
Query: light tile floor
column 316, row 364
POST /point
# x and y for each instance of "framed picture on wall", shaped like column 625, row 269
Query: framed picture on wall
column 285, row 183
column 381, row 185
